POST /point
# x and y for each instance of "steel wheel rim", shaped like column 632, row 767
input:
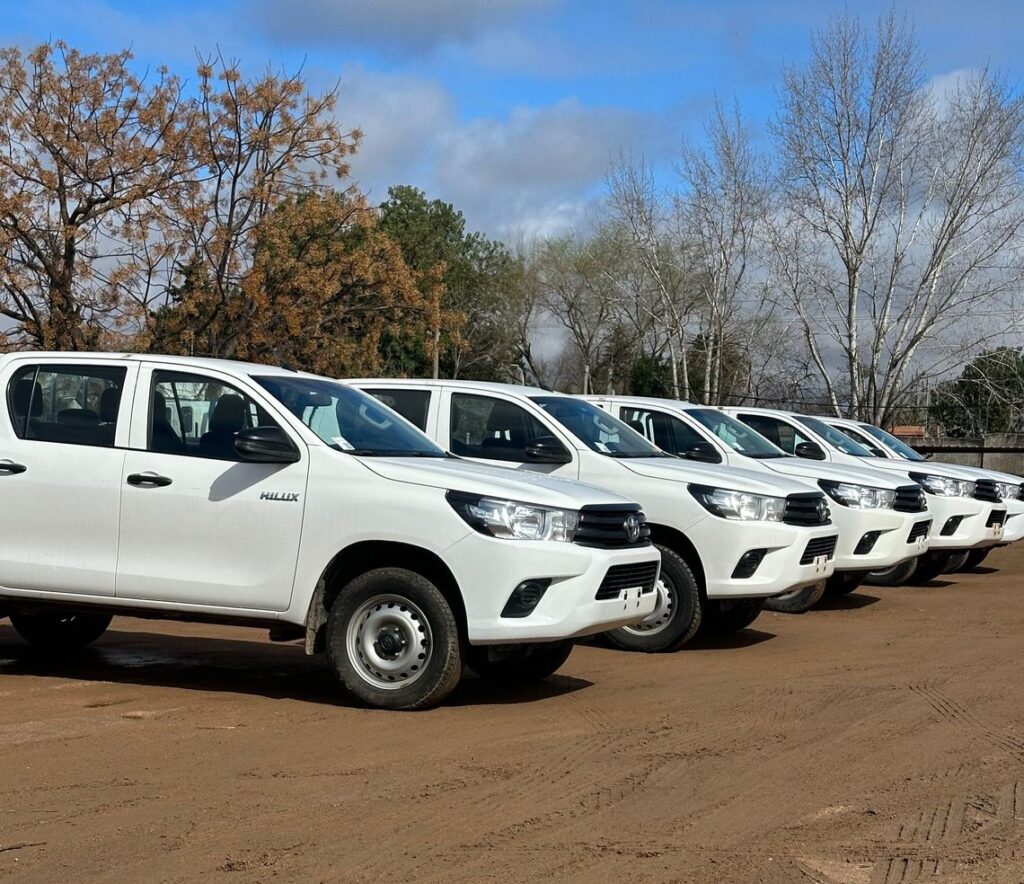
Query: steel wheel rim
column 664, row 608
column 388, row 642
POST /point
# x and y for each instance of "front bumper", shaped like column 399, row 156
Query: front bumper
column 893, row 544
column 974, row 529
column 488, row 569
column 1014, row 528
column 722, row 542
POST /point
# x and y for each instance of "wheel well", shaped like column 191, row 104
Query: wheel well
column 681, row 544
column 359, row 558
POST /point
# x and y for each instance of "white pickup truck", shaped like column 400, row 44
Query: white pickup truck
column 730, row 538
column 1005, row 485
column 964, row 516
column 218, row 491
column 883, row 519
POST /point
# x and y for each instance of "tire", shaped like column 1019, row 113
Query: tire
column 931, row 565
column 957, row 562
column 897, row 575
column 843, row 583
column 676, row 617
column 518, row 664
column 59, row 630
column 975, row 557
column 723, row 617
column 798, row 601
column 392, row 640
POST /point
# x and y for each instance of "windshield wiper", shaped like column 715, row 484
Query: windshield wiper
column 628, row 455
column 769, row 456
column 387, row 452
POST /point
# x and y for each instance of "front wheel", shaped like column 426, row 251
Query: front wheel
column 518, row 664
column 931, row 565
column 676, row 616
column 797, row 601
column 392, row 640
column 897, row 575
column 723, row 617
column 844, row 582
column 975, row 557
column 957, row 562
column 59, row 630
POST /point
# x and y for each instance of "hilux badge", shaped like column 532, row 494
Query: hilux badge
column 286, row 496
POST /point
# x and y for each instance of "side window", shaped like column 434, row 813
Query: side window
column 199, row 416
column 785, row 435
column 864, row 440
column 73, row 404
column 411, row 404
column 667, row 432
column 493, row 428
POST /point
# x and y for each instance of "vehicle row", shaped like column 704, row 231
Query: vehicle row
column 409, row 529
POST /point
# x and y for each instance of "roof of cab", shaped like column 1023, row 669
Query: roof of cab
column 231, row 365
column 515, row 389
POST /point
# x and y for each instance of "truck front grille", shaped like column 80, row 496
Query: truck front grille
column 611, row 526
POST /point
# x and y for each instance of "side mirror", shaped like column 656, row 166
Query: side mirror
column 704, row 452
column 809, row 451
column 265, row 445
column 547, row 449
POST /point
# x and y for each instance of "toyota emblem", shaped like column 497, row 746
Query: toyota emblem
column 632, row 528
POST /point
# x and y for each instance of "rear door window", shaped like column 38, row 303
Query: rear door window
column 669, row 433
column 783, row 434
column 411, row 404
column 70, row 404
column 483, row 426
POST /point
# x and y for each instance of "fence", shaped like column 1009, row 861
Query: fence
column 995, row 451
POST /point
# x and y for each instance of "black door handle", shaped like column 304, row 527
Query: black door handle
column 148, row 479
column 7, row 467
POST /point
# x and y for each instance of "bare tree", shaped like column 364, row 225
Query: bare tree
column 901, row 213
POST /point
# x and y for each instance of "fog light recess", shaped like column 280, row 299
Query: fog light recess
column 867, row 543
column 525, row 598
column 748, row 563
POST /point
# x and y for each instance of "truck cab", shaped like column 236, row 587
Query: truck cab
column 197, row 489
column 730, row 538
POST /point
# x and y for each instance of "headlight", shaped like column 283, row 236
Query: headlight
column 944, row 486
column 739, row 504
column 1008, row 491
column 513, row 520
column 862, row 497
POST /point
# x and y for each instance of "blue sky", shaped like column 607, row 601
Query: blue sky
column 513, row 109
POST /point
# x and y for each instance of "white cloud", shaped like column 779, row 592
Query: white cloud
column 944, row 86
column 405, row 24
column 538, row 171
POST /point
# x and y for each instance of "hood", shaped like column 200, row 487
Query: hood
column 734, row 478
column 925, row 467
column 475, row 478
column 812, row 470
column 980, row 473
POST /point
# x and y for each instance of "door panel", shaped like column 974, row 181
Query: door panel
column 60, row 475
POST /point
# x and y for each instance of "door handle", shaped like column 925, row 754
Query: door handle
column 10, row 467
column 151, row 479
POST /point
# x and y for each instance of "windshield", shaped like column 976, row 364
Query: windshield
column 347, row 419
column 597, row 429
column 738, row 436
column 834, row 438
column 897, row 445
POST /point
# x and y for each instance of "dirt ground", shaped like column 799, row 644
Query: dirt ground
column 881, row 740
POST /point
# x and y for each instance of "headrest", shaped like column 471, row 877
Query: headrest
column 110, row 399
column 503, row 416
column 24, row 390
column 229, row 415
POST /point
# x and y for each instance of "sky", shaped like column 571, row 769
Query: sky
column 513, row 110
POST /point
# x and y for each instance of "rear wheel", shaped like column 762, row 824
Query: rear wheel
column 392, row 640
column 897, row 575
column 676, row 616
column 518, row 664
column 844, row 582
column 59, row 630
column 797, row 601
column 975, row 557
column 723, row 616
